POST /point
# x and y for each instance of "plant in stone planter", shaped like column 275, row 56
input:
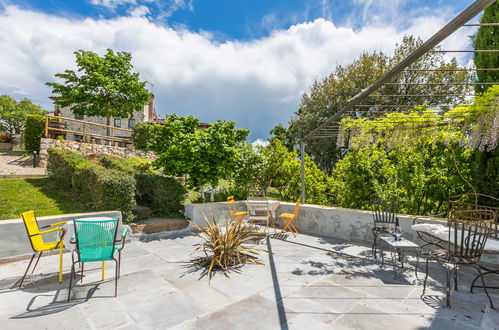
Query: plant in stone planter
column 226, row 247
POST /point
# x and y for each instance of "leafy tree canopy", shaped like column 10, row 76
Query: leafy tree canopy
column 487, row 37
column 281, row 133
column 13, row 113
column 102, row 86
column 205, row 156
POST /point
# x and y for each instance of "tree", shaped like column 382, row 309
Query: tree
column 103, row 87
column 205, row 156
column 248, row 167
column 283, row 169
column 487, row 37
column 281, row 133
column 328, row 96
column 13, row 114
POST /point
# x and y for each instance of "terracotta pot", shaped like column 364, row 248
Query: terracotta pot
column 6, row 146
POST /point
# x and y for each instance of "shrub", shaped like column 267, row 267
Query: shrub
column 61, row 167
column 132, row 165
column 163, row 195
column 141, row 135
column 96, row 187
column 35, row 125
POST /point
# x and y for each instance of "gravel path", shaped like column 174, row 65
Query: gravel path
column 18, row 163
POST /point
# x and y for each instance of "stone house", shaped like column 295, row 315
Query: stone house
column 146, row 114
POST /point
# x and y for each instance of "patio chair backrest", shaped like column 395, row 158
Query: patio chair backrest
column 232, row 205
column 478, row 215
column 297, row 207
column 256, row 193
column 96, row 239
column 258, row 206
column 385, row 211
column 467, row 238
column 33, row 231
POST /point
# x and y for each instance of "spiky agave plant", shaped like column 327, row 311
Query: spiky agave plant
column 226, row 247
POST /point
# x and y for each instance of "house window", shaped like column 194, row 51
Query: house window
column 117, row 122
column 79, row 117
column 131, row 123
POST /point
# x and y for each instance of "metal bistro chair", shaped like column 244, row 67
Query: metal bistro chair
column 38, row 244
column 258, row 210
column 288, row 219
column 237, row 216
column 466, row 241
column 96, row 241
column 385, row 217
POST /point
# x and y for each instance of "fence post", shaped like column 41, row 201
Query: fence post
column 46, row 126
column 85, row 132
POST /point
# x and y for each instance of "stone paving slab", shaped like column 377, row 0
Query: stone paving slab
column 307, row 282
column 15, row 164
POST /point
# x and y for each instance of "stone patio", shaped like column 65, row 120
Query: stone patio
column 308, row 282
column 18, row 164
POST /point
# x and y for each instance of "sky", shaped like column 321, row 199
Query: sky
column 248, row 61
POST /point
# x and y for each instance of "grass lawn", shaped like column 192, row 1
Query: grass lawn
column 20, row 195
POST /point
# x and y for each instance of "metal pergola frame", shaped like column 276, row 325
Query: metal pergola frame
column 330, row 127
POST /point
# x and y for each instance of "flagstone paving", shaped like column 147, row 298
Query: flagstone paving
column 307, row 282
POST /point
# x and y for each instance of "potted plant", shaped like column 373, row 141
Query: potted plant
column 6, row 142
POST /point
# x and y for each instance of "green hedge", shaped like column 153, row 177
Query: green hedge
column 96, row 187
column 163, row 195
column 115, row 183
column 104, row 189
column 33, row 132
column 62, row 165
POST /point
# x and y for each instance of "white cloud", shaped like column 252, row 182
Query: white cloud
column 139, row 11
column 255, row 83
column 112, row 4
column 260, row 142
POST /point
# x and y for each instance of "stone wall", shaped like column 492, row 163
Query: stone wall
column 88, row 149
column 347, row 224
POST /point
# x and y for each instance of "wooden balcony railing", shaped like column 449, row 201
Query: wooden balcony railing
column 56, row 126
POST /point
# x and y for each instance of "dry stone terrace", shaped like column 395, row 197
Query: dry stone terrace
column 307, row 282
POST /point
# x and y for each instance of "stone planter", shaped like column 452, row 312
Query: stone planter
column 6, row 146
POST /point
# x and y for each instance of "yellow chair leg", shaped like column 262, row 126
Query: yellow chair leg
column 60, row 263
column 103, row 269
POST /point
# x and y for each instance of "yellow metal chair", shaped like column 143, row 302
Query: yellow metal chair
column 288, row 219
column 237, row 216
column 37, row 242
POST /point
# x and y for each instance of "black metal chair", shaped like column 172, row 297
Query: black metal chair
column 385, row 217
column 466, row 241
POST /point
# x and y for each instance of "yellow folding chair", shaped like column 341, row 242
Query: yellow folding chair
column 37, row 243
column 237, row 216
column 288, row 219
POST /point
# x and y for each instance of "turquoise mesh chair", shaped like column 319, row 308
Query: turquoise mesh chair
column 96, row 241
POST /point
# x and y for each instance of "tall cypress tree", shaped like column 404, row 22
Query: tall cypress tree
column 487, row 37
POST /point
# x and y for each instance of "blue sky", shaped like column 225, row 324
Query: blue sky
column 249, row 61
